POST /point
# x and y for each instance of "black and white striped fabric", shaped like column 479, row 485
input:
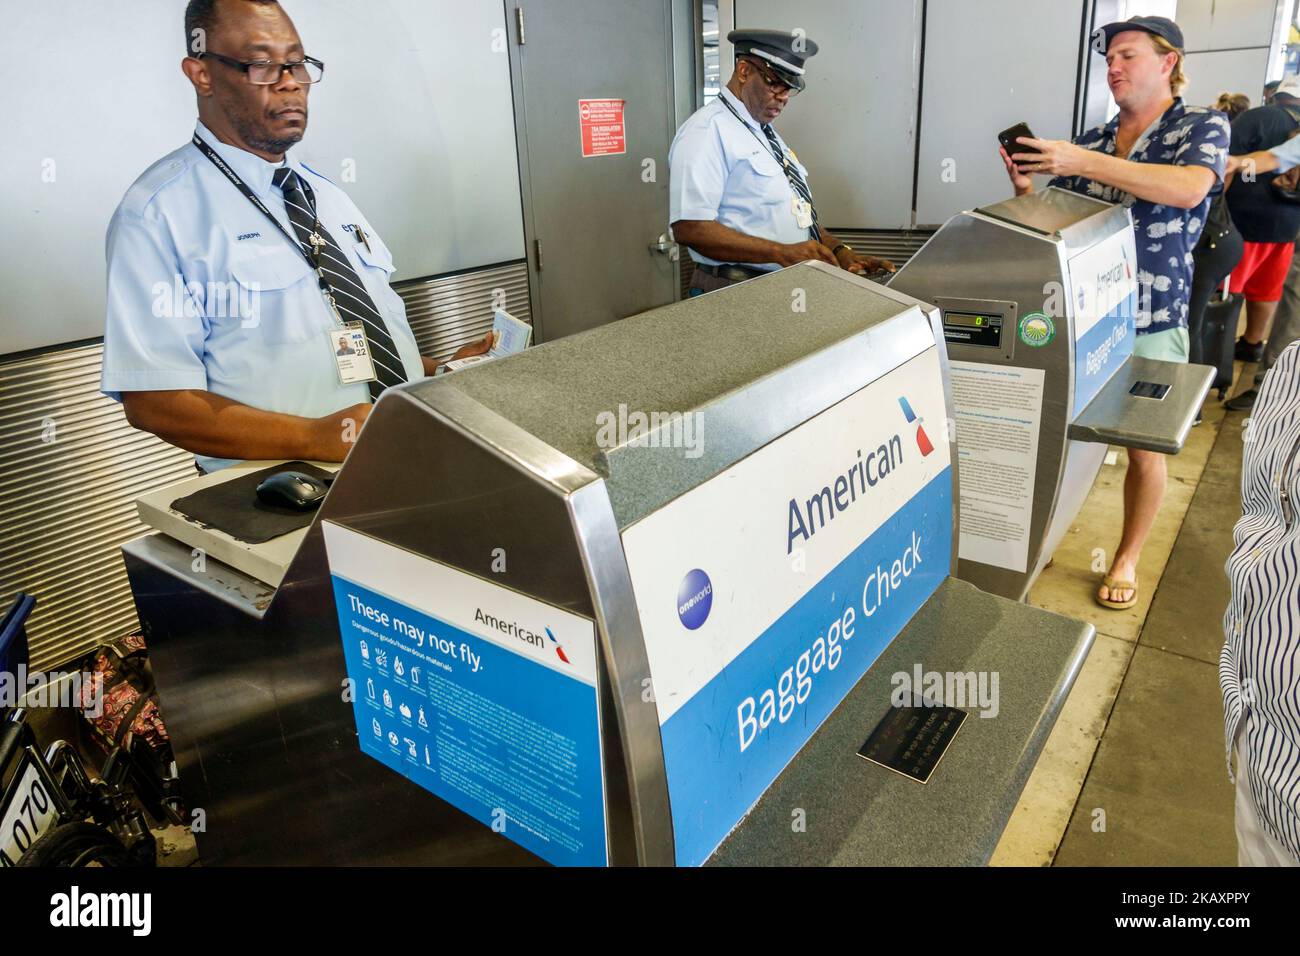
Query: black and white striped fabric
column 792, row 173
column 1259, row 669
column 350, row 295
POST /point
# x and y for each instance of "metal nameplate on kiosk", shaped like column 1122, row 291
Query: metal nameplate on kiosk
column 1056, row 273
column 613, row 600
column 912, row 740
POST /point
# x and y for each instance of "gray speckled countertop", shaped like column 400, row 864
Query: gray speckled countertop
column 689, row 356
column 859, row 813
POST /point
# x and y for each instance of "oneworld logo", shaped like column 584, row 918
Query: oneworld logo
column 694, row 599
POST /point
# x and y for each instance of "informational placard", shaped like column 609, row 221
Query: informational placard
column 912, row 740
column 603, row 132
column 481, row 695
column 999, row 411
column 765, row 593
column 1104, row 284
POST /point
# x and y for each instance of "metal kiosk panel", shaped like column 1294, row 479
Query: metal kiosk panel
column 1039, row 299
column 720, row 573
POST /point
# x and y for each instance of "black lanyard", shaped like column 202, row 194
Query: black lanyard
column 785, row 163
column 252, row 197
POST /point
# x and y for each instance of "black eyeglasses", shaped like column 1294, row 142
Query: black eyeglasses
column 774, row 83
column 266, row 73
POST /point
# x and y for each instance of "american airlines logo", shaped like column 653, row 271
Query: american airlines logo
column 559, row 648
column 922, row 439
column 805, row 518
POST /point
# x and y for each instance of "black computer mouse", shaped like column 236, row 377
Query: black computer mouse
column 292, row 489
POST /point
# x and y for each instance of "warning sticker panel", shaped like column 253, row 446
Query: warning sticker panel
column 602, row 127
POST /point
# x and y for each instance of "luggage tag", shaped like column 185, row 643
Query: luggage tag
column 351, row 353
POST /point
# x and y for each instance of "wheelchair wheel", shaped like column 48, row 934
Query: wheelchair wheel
column 76, row 845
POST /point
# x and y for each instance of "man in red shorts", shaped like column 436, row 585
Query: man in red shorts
column 1268, row 223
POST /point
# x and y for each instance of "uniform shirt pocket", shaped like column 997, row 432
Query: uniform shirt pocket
column 375, row 255
column 277, row 295
column 377, row 262
column 764, row 163
column 766, row 182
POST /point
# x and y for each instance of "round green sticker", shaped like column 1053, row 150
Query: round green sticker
column 1037, row 329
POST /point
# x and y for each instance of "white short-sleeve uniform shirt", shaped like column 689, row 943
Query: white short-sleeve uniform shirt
column 723, row 169
column 204, row 292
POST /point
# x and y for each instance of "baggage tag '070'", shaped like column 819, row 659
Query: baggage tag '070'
column 351, row 354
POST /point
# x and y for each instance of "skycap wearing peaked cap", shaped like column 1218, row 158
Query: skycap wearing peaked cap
column 784, row 52
column 739, row 199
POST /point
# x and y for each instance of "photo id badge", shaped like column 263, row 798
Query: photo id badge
column 802, row 212
column 351, row 354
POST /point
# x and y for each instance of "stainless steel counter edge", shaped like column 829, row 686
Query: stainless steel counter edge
column 219, row 580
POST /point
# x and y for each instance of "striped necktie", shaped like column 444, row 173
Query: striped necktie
column 350, row 296
column 792, row 173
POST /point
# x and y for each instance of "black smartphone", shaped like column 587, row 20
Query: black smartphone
column 1008, row 140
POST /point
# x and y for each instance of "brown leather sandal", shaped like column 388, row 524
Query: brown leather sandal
column 1113, row 585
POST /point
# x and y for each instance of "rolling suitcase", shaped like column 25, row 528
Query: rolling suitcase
column 1218, row 335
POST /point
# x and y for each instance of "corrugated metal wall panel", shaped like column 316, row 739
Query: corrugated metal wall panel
column 67, row 505
column 892, row 244
column 448, row 312
column 889, row 244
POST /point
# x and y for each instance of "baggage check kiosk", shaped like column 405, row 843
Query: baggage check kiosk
column 637, row 596
column 1038, row 297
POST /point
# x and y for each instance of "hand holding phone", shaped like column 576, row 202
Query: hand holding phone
column 1008, row 139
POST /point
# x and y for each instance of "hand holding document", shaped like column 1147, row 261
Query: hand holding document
column 509, row 337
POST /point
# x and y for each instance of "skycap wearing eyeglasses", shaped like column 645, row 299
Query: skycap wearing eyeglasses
column 233, row 267
column 739, row 198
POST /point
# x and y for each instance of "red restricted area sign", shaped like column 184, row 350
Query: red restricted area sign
column 602, row 127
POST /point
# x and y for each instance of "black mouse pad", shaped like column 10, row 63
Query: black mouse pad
column 233, row 507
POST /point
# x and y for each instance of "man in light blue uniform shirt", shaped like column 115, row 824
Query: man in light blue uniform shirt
column 222, row 330
column 739, row 198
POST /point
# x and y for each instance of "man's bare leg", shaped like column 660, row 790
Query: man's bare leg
column 1144, row 489
column 1258, row 317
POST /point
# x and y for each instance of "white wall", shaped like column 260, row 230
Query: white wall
column 414, row 93
column 854, row 126
column 981, row 79
column 1228, row 45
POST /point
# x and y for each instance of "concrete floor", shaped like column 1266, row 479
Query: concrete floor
column 1133, row 773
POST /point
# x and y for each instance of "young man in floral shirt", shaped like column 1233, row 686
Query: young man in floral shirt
column 1165, row 162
